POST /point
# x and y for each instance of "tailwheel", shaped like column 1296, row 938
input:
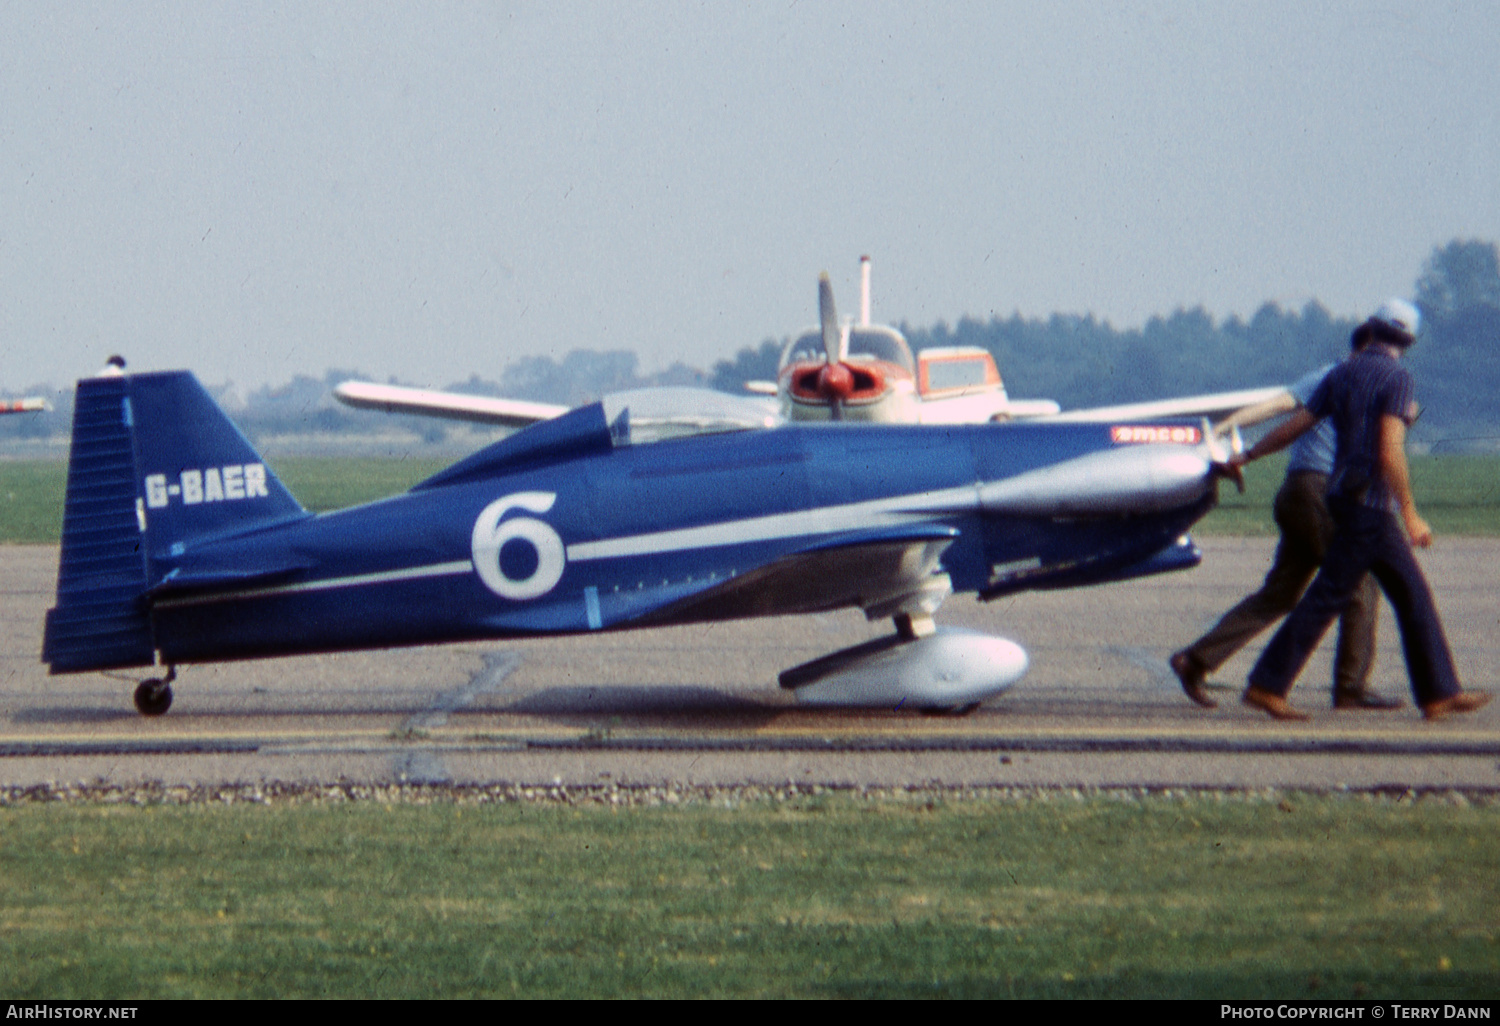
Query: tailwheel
column 154, row 697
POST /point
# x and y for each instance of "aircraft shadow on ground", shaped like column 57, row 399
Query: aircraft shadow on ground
column 664, row 702
column 74, row 714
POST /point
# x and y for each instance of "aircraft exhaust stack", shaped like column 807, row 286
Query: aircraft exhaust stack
column 951, row 669
column 864, row 292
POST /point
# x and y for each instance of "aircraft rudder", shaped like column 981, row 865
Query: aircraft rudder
column 101, row 620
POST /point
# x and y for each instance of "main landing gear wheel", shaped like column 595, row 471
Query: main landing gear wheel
column 154, row 697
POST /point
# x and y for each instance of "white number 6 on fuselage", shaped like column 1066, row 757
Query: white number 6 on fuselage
column 492, row 531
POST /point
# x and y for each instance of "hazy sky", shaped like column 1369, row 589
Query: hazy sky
column 432, row 190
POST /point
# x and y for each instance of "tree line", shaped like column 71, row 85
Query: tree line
column 1078, row 360
column 1081, row 361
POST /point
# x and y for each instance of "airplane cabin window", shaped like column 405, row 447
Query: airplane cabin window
column 880, row 344
column 807, row 349
column 865, row 345
column 945, row 374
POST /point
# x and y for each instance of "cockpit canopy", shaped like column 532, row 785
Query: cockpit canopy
column 621, row 418
column 659, row 413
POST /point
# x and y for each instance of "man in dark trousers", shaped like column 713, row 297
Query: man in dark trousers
column 1371, row 401
column 1301, row 512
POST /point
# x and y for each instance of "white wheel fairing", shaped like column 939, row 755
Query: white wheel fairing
column 492, row 531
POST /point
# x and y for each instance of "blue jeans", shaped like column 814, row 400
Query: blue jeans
column 1365, row 540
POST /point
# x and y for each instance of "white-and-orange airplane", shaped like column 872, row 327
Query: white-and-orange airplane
column 837, row 371
column 865, row 371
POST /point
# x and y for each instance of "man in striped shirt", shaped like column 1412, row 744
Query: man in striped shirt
column 1371, row 401
column 1301, row 512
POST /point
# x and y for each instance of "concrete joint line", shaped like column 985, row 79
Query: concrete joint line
column 425, row 766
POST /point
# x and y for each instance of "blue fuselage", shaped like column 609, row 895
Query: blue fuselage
column 579, row 535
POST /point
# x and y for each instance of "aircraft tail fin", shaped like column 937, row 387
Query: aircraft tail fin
column 154, row 465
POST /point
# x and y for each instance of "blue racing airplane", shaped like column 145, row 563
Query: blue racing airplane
column 180, row 546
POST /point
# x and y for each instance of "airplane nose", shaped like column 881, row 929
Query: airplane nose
column 836, row 381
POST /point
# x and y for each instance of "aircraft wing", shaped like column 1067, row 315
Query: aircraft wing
column 881, row 571
column 693, row 410
column 28, row 405
column 655, row 412
column 478, row 409
column 1215, row 406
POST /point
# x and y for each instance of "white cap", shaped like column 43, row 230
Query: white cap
column 1399, row 316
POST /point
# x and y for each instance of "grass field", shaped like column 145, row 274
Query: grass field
column 835, row 895
column 1457, row 494
column 31, row 491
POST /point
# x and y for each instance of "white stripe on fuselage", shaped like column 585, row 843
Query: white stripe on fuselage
column 892, row 512
column 821, row 520
column 461, row 566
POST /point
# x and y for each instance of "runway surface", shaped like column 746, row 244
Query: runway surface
column 700, row 705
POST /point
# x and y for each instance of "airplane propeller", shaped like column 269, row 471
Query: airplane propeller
column 848, row 387
column 835, row 380
column 1221, row 461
